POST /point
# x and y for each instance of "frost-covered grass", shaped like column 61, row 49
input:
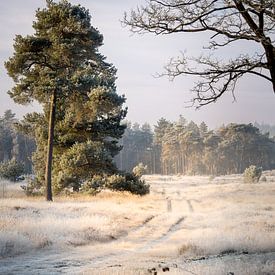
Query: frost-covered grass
column 10, row 189
column 208, row 217
column 30, row 223
column 222, row 215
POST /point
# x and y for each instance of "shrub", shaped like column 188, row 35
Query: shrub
column 192, row 249
column 63, row 182
column 252, row 174
column 94, row 185
column 140, row 170
column 128, row 182
column 117, row 182
column 11, row 170
column 33, row 187
column 263, row 178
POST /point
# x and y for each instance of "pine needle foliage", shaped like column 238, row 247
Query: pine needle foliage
column 60, row 67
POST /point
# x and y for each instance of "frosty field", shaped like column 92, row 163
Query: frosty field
column 187, row 225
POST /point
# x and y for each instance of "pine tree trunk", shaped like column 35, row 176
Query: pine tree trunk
column 48, row 175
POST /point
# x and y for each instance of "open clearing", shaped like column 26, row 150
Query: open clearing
column 187, row 225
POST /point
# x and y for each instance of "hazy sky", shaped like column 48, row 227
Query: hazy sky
column 138, row 59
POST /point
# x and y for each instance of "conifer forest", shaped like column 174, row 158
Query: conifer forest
column 167, row 148
column 186, row 148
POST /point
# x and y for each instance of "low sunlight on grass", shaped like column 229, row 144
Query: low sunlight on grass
column 183, row 218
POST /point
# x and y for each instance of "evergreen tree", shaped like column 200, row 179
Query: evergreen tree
column 13, row 144
column 203, row 129
column 60, row 67
column 6, row 135
column 137, row 147
column 161, row 128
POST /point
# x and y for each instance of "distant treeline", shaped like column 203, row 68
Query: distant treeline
column 13, row 144
column 179, row 147
column 187, row 148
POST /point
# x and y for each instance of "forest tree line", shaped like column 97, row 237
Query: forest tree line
column 184, row 147
column 179, row 147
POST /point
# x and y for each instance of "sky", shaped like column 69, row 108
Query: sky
column 139, row 58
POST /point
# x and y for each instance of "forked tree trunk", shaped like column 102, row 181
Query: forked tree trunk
column 48, row 175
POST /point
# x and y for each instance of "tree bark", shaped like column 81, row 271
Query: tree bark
column 270, row 56
column 265, row 41
column 48, row 175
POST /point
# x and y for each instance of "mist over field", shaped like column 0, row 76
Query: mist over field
column 187, row 224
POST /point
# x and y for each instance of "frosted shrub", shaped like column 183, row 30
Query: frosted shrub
column 252, row 174
column 33, row 188
column 62, row 183
column 128, row 182
column 140, row 170
column 116, row 182
column 94, row 185
column 11, row 170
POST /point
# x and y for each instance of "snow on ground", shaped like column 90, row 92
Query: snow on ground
column 187, row 225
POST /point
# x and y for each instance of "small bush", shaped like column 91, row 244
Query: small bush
column 33, row 187
column 252, row 174
column 263, row 178
column 190, row 249
column 128, row 182
column 11, row 170
column 140, row 170
column 117, row 182
column 63, row 182
column 94, row 185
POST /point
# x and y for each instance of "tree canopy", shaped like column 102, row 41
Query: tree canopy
column 227, row 22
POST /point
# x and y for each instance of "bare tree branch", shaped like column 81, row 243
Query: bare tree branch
column 229, row 21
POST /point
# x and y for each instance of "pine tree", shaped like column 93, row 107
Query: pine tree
column 14, row 145
column 203, row 129
column 6, row 132
column 60, row 67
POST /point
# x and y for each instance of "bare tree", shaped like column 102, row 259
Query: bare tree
column 228, row 22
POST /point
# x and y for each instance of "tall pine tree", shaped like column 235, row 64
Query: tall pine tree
column 60, row 67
